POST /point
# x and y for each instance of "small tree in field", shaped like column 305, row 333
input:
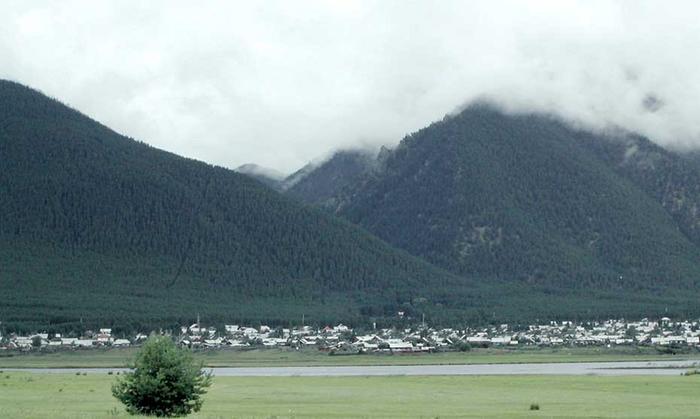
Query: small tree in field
column 36, row 342
column 165, row 381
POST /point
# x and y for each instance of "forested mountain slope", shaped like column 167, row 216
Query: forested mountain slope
column 99, row 227
column 527, row 199
column 321, row 185
column 670, row 178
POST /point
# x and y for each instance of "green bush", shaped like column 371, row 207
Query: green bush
column 165, row 381
column 36, row 342
column 461, row 346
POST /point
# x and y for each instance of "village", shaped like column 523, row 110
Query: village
column 343, row 339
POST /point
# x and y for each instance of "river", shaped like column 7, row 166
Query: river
column 675, row 367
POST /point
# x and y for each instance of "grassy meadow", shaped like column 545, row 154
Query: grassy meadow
column 289, row 357
column 26, row 395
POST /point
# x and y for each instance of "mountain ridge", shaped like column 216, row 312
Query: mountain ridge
column 525, row 197
column 102, row 230
column 167, row 236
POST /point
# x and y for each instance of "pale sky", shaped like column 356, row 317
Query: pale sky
column 281, row 83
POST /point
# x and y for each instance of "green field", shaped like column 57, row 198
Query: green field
column 280, row 357
column 25, row 395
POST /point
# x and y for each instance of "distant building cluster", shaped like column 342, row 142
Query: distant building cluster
column 343, row 339
column 89, row 339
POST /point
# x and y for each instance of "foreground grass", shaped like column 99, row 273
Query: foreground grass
column 25, row 395
column 289, row 357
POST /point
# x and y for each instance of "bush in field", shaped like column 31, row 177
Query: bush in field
column 36, row 342
column 165, row 381
column 534, row 406
column 461, row 346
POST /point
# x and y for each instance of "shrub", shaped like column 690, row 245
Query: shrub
column 461, row 346
column 36, row 342
column 165, row 381
column 534, row 406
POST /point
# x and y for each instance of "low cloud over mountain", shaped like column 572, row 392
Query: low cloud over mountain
column 281, row 83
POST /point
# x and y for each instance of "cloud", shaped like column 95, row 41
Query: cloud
column 279, row 83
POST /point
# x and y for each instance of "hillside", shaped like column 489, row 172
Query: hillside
column 524, row 199
column 100, row 229
column 671, row 179
column 531, row 217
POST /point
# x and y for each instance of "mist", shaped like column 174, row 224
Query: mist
column 281, row 83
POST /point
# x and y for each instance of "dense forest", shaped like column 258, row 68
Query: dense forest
column 99, row 226
column 522, row 197
column 528, row 200
column 343, row 169
column 101, row 230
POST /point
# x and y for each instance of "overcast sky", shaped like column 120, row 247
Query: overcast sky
column 280, row 83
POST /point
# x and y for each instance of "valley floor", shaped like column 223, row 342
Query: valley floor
column 25, row 395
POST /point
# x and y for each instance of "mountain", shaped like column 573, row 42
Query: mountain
column 525, row 200
column 99, row 229
column 320, row 184
column 535, row 221
column 671, row 179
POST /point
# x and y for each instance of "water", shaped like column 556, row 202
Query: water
column 674, row 367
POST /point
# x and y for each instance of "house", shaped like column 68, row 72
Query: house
column 250, row 332
column 68, row 341
column 197, row 329
column 367, row 346
column 309, row 340
column 213, row 343
column 23, row 341
column 676, row 340
column 478, row 340
column 103, row 338
column 502, row 340
column 84, row 343
column 399, row 345
column 269, row 342
column 121, row 343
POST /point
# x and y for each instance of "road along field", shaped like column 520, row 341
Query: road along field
column 25, row 395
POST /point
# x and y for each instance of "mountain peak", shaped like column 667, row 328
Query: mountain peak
column 99, row 227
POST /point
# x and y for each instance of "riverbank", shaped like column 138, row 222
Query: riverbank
column 115, row 358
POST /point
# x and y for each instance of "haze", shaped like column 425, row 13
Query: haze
column 280, row 83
